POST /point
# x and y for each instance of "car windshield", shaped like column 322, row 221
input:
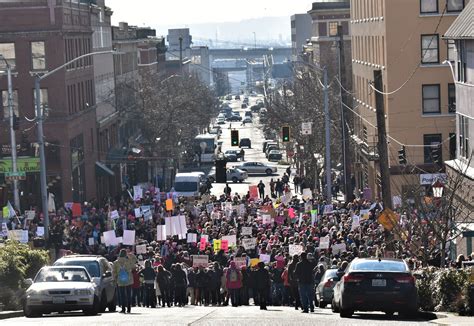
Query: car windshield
column 330, row 273
column 63, row 274
column 91, row 266
column 378, row 266
column 185, row 186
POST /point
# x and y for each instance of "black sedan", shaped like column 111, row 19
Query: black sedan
column 371, row 284
column 234, row 118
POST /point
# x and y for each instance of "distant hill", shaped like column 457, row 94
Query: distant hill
column 269, row 31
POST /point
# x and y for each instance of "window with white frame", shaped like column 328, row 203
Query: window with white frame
column 7, row 50
column 430, row 48
column 431, row 99
column 429, row 6
column 464, row 146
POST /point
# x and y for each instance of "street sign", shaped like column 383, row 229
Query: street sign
column 306, row 128
column 15, row 174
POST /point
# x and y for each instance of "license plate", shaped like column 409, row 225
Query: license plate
column 379, row 282
column 59, row 300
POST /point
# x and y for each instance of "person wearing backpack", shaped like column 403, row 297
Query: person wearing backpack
column 123, row 267
column 234, row 283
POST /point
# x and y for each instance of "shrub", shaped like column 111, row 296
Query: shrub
column 17, row 262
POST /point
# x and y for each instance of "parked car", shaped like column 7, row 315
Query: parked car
column 231, row 157
column 255, row 108
column 220, row 121
column 325, row 289
column 243, row 106
column 270, row 147
column 237, row 97
column 101, row 273
column 247, row 120
column 266, row 142
column 234, row 118
column 59, row 289
column 275, row 156
column 371, row 284
column 233, row 152
column 233, row 174
column 245, row 142
column 228, row 97
column 257, row 168
column 248, row 114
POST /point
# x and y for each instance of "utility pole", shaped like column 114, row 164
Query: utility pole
column 181, row 55
column 348, row 191
column 382, row 140
column 255, row 40
column 327, row 126
column 16, row 195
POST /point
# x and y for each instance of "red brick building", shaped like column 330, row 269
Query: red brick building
column 38, row 36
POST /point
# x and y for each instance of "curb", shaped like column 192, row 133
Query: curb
column 11, row 314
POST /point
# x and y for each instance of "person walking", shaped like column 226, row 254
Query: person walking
column 293, row 281
column 163, row 280
column 227, row 190
column 123, row 267
column 304, row 275
column 180, row 285
column 261, row 189
column 272, row 188
column 263, row 284
column 296, row 182
column 234, row 283
column 242, row 155
column 149, row 276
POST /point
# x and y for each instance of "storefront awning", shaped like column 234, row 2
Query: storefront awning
column 103, row 170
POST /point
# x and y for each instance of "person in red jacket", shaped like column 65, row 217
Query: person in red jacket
column 136, row 293
column 234, row 283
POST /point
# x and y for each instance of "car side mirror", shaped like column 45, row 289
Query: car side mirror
column 28, row 282
column 107, row 274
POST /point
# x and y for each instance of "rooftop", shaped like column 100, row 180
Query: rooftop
column 331, row 4
column 463, row 26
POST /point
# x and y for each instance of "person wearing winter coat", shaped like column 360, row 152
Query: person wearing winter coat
column 123, row 268
column 263, row 284
column 234, row 283
column 149, row 276
column 163, row 280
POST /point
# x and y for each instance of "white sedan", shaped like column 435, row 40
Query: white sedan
column 257, row 168
column 59, row 289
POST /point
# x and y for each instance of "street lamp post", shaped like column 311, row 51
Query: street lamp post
column 40, row 119
column 16, row 195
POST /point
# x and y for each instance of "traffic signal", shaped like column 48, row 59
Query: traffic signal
column 402, row 156
column 16, row 122
column 285, row 134
column 234, row 137
column 436, row 154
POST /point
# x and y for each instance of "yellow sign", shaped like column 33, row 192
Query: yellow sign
column 217, row 245
column 388, row 219
column 169, row 204
column 254, row 262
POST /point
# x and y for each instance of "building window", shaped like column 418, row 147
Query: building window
column 43, row 100
column 452, row 146
column 455, row 5
column 431, row 99
column 7, row 50
column 464, row 148
column 38, row 56
column 5, row 108
column 462, row 62
column 429, row 6
column 430, row 48
column 431, row 143
column 451, row 45
column 451, row 98
column 78, row 169
column 333, row 28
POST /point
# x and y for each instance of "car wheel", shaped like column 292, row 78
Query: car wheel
column 112, row 306
column 234, row 179
column 408, row 313
column 334, row 307
column 30, row 312
column 346, row 313
column 268, row 171
column 94, row 310
column 103, row 302
column 321, row 304
column 240, row 181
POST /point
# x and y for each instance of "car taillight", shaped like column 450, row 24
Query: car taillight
column 352, row 278
column 328, row 284
column 406, row 279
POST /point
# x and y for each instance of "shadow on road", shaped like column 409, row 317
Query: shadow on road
column 421, row 316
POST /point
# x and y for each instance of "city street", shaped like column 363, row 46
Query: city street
column 192, row 315
column 255, row 133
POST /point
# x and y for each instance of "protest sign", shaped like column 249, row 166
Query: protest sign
column 202, row 244
column 240, row 262
column 355, row 222
column 191, row 238
column 308, row 207
column 324, row 242
column 328, row 209
column 249, row 243
column 254, row 262
column 231, row 240
column 76, row 209
column 389, row 219
column 18, row 235
column 209, row 208
column 338, row 248
column 242, row 209
column 168, row 225
column 141, row 249
column 217, row 245
column 30, row 215
column 161, row 232
column 91, row 241
column 286, row 198
column 264, row 258
column 40, row 231
column 138, row 212
column 109, row 238
column 206, row 237
column 314, row 216
column 253, row 190
column 224, row 245
column 246, row 230
column 364, row 214
column 200, row 260
column 137, row 193
column 266, row 219
column 118, row 240
column 147, row 215
column 169, row 204
column 295, row 249
column 129, row 237
column 114, row 215
column 280, row 219
column 307, row 194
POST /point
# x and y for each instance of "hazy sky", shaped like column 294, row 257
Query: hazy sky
column 182, row 12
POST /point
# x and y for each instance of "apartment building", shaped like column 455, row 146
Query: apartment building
column 403, row 39
column 37, row 36
column 461, row 169
column 300, row 33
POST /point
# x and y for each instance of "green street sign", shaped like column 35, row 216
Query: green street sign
column 24, row 164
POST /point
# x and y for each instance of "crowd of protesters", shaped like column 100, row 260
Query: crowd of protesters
column 165, row 276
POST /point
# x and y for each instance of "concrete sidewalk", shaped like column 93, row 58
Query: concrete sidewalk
column 446, row 318
column 11, row 314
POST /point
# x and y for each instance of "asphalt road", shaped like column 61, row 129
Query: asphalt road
column 221, row 316
column 255, row 154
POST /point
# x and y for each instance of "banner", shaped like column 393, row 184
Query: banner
column 202, row 244
column 249, row 243
column 324, row 242
column 355, row 222
column 114, row 215
column 246, row 230
column 231, row 240
column 191, row 238
column 129, row 237
column 161, row 232
column 200, row 260
column 141, row 249
column 137, row 193
column 109, row 238
column 217, row 245
column 225, row 245
column 18, row 235
column 264, row 258
column 169, row 204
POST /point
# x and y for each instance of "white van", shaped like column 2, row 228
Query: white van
column 187, row 184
